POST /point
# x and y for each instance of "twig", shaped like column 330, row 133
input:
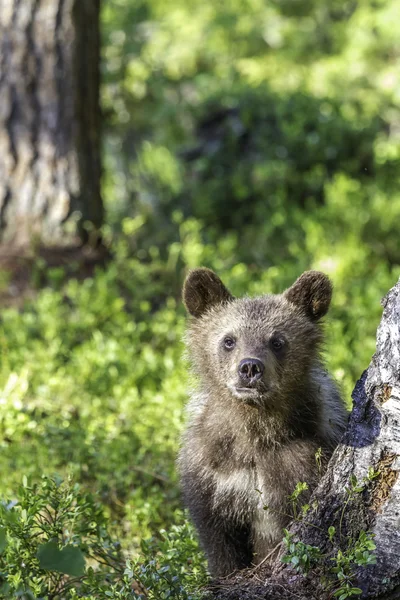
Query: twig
column 264, row 560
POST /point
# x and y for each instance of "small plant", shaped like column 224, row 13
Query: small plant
column 372, row 474
column 318, row 460
column 170, row 568
column 331, row 533
column 302, row 557
column 356, row 487
column 301, row 487
column 358, row 553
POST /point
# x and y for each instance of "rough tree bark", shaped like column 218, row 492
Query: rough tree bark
column 372, row 440
column 49, row 121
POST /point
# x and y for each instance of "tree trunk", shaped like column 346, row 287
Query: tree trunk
column 359, row 492
column 49, row 121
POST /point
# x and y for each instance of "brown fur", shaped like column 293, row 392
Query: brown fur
column 248, row 443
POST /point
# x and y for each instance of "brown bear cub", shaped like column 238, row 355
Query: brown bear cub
column 263, row 406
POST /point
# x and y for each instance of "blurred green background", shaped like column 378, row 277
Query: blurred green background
column 257, row 138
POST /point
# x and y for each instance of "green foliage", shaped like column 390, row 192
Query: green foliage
column 355, row 487
column 358, row 553
column 93, row 380
column 55, row 543
column 69, row 560
column 93, row 386
column 302, row 557
column 339, row 578
column 177, row 569
column 250, row 116
column 294, row 497
column 50, row 532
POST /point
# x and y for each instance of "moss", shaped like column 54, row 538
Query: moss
column 382, row 485
column 385, row 394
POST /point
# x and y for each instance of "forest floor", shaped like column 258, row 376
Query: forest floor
column 261, row 584
column 23, row 273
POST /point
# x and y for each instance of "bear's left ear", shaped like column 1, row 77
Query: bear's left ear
column 312, row 292
column 203, row 289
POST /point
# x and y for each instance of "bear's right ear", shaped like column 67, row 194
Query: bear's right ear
column 203, row 289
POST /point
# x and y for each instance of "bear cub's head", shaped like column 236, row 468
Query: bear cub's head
column 257, row 350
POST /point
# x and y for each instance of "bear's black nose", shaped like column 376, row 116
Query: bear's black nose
column 250, row 369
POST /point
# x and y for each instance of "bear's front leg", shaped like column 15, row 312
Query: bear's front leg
column 227, row 545
column 225, row 540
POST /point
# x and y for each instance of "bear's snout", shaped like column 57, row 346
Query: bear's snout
column 250, row 370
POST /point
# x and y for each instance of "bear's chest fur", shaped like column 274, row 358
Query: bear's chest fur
column 248, row 495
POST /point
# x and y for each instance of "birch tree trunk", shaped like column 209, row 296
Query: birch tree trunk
column 367, row 460
column 49, row 121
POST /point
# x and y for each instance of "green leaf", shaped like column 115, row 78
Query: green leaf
column 3, row 539
column 69, row 560
column 353, row 480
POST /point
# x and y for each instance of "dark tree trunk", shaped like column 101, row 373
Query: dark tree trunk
column 49, row 121
column 372, row 440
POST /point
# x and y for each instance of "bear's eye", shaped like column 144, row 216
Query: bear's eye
column 229, row 343
column 277, row 343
